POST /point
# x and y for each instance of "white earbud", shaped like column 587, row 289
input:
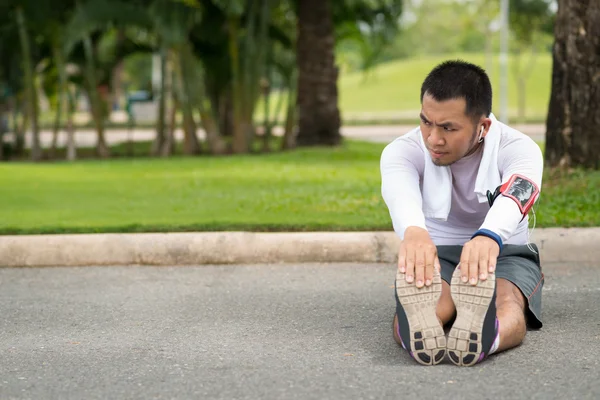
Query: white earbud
column 481, row 135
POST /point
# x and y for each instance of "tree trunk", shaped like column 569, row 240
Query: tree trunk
column 19, row 129
column 191, row 144
column 267, row 125
column 319, row 116
column 31, row 94
column 162, row 106
column 216, row 144
column 169, row 144
column 95, row 100
column 3, row 129
column 71, row 148
column 56, row 126
column 62, row 91
column 573, row 122
column 240, row 143
column 290, row 134
column 225, row 107
column 117, row 76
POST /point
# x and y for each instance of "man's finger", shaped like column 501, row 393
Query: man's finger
column 430, row 256
column 494, row 253
column 464, row 264
column 484, row 264
column 410, row 265
column 420, row 267
column 493, row 259
column 402, row 258
column 436, row 264
column 473, row 266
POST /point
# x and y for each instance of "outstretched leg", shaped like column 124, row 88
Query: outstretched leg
column 443, row 309
column 417, row 327
column 490, row 318
column 510, row 310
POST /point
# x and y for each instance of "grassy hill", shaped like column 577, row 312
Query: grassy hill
column 391, row 90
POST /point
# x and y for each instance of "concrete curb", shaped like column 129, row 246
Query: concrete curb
column 556, row 245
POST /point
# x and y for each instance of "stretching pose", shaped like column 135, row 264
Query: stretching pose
column 459, row 189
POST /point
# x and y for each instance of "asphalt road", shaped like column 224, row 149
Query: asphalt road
column 267, row 332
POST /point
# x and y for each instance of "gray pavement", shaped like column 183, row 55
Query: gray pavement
column 373, row 133
column 311, row 331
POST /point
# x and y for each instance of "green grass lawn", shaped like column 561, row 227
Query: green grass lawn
column 309, row 189
column 395, row 87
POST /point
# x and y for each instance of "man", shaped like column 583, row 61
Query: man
column 459, row 189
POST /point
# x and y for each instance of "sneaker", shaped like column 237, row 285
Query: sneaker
column 476, row 326
column 418, row 327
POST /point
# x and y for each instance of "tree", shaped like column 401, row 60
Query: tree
column 573, row 122
column 372, row 24
column 318, row 112
column 531, row 23
column 11, row 81
column 30, row 89
column 218, row 58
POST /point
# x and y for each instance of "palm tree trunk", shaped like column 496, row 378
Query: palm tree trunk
column 31, row 94
column 267, row 134
column 19, row 128
column 224, row 104
column 191, row 144
column 95, row 100
column 573, row 121
column 240, row 142
column 216, row 144
column 290, row 134
column 117, row 75
column 319, row 116
column 71, row 147
column 62, row 89
column 3, row 111
column 169, row 145
column 56, row 127
column 162, row 105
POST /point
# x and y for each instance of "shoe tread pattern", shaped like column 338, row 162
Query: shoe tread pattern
column 427, row 339
column 471, row 301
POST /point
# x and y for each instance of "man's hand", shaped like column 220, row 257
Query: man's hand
column 417, row 257
column 478, row 258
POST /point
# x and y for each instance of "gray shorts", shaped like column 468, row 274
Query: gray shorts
column 517, row 264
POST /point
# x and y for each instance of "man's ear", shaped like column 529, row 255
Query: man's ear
column 485, row 125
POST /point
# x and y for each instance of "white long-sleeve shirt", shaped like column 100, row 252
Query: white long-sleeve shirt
column 402, row 167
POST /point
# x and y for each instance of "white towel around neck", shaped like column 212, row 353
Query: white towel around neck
column 437, row 180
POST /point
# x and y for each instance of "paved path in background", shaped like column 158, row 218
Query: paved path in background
column 375, row 133
column 267, row 332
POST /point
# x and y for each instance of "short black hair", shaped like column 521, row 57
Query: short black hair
column 458, row 79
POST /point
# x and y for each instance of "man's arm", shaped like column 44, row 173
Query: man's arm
column 400, row 185
column 519, row 158
column 521, row 161
column 417, row 256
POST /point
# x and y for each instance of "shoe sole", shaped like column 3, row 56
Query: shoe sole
column 427, row 340
column 472, row 303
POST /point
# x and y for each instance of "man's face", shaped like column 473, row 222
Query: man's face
column 448, row 132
